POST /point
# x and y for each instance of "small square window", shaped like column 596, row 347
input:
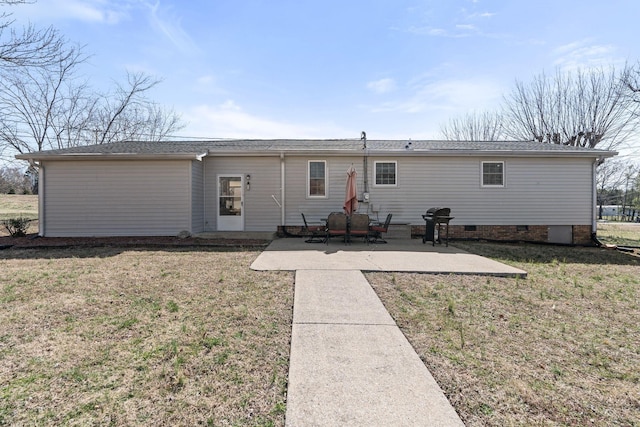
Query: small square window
column 493, row 174
column 317, row 182
column 386, row 174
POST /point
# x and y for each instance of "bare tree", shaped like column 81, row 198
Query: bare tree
column 628, row 200
column 35, row 102
column 14, row 181
column 51, row 108
column 474, row 127
column 45, row 105
column 128, row 114
column 581, row 108
column 610, row 178
column 27, row 47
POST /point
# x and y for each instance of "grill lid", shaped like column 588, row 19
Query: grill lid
column 436, row 212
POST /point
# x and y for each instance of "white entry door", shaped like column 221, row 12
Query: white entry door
column 230, row 203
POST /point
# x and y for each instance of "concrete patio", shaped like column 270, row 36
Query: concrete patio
column 399, row 255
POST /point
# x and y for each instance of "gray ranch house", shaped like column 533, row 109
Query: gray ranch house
column 496, row 190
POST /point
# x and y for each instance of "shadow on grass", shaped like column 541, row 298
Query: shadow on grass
column 31, row 247
column 547, row 254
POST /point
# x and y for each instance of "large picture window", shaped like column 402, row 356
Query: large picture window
column 317, row 181
column 493, row 174
column 386, row 174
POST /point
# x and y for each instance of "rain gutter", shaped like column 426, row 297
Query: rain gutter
column 112, row 156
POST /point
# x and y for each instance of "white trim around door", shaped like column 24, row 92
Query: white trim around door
column 230, row 197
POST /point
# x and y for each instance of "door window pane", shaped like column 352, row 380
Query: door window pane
column 230, row 197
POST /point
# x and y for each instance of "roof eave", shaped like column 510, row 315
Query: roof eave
column 319, row 152
column 111, row 156
column 493, row 153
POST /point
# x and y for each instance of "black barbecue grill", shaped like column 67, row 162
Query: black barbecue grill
column 434, row 218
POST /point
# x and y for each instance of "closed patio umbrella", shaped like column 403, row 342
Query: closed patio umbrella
column 351, row 192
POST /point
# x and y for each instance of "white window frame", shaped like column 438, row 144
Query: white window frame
column 326, row 180
column 504, row 174
column 375, row 173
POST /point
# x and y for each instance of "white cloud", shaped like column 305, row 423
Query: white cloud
column 429, row 31
column 382, row 86
column 456, row 32
column 450, row 96
column 112, row 12
column 585, row 54
column 229, row 120
column 171, row 28
column 206, row 80
column 482, row 15
column 98, row 11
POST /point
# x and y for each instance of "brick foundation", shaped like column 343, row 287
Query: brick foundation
column 582, row 235
column 524, row 233
column 507, row 233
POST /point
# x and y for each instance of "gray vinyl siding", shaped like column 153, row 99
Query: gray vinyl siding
column 261, row 213
column 164, row 197
column 117, row 198
column 314, row 208
column 197, row 196
column 537, row 191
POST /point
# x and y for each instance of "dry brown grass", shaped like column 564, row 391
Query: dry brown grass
column 14, row 205
column 619, row 233
column 107, row 336
column 560, row 348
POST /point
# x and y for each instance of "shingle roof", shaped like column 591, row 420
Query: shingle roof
column 335, row 146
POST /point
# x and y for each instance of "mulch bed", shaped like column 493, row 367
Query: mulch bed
column 33, row 241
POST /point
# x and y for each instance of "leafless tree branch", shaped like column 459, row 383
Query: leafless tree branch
column 583, row 108
column 474, row 127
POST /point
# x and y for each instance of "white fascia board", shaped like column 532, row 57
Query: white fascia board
column 110, row 156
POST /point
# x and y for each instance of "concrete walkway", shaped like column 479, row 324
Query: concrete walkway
column 350, row 364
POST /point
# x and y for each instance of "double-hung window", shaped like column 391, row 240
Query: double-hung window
column 386, row 173
column 492, row 174
column 317, row 179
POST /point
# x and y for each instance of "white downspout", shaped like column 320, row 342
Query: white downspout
column 282, row 190
column 41, row 205
column 205, row 222
column 594, row 204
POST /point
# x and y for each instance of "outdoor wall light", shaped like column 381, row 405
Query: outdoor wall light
column 248, row 184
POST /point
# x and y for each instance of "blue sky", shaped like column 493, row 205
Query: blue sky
column 331, row 69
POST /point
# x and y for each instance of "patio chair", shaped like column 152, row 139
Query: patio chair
column 336, row 226
column 359, row 226
column 375, row 231
column 314, row 233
